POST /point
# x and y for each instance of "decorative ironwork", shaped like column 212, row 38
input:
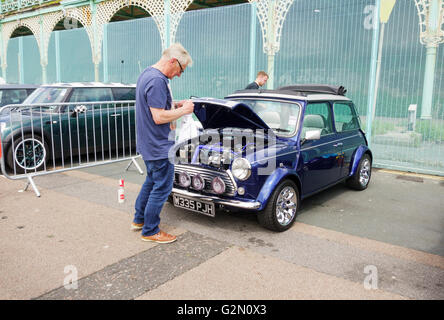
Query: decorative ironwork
column 428, row 36
column 14, row 5
column 271, row 15
column 8, row 29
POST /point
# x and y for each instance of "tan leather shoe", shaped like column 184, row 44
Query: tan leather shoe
column 136, row 226
column 160, row 237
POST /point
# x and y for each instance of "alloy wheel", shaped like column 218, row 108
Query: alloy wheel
column 30, row 154
column 286, row 206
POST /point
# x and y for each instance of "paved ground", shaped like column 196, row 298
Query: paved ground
column 384, row 243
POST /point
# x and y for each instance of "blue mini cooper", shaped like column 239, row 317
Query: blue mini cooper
column 264, row 151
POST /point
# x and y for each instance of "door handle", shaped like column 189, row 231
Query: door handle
column 338, row 144
column 115, row 115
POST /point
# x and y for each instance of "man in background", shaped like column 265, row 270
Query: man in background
column 261, row 79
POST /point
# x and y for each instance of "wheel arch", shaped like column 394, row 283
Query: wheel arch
column 356, row 158
column 273, row 181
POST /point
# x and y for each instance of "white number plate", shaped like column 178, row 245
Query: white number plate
column 206, row 208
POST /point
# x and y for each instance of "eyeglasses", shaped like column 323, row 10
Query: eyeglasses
column 180, row 66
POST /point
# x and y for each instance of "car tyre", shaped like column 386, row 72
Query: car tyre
column 23, row 158
column 282, row 207
column 361, row 178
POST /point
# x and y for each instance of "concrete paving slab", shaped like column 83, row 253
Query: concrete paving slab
column 239, row 274
column 395, row 226
column 400, row 276
column 401, row 212
column 372, row 245
column 131, row 277
column 41, row 236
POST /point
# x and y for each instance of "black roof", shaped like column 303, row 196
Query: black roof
column 275, row 91
column 316, row 88
column 300, row 90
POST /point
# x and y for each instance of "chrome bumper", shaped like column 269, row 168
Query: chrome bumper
column 216, row 200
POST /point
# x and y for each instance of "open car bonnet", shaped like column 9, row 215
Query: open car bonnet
column 217, row 113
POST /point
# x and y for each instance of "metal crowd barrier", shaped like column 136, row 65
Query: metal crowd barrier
column 41, row 139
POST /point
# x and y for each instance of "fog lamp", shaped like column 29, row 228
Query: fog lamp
column 218, row 185
column 198, row 182
column 184, row 179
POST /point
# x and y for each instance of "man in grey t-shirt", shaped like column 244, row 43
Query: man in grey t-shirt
column 155, row 116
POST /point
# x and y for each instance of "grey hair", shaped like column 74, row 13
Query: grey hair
column 177, row 51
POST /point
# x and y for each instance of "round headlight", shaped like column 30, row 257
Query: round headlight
column 218, row 185
column 241, row 169
column 198, row 182
column 184, row 179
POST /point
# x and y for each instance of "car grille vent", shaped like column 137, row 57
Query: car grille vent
column 208, row 175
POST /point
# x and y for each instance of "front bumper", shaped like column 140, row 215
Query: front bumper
column 247, row 205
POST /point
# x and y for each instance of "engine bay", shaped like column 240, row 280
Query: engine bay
column 218, row 148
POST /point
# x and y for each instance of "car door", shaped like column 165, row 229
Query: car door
column 347, row 126
column 320, row 163
column 92, row 127
column 127, row 140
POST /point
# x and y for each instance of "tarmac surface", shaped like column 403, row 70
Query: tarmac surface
column 386, row 242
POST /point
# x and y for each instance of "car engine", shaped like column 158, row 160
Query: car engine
column 218, row 148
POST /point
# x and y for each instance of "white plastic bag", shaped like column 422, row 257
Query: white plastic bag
column 189, row 128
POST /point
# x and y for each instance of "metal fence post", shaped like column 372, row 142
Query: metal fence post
column 373, row 66
column 105, row 53
column 252, row 71
column 57, row 56
column 21, row 61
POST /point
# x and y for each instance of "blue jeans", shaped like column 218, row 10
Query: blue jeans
column 154, row 193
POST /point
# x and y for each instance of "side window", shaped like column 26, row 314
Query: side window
column 21, row 95
column 317, row 117
column 124, row 94
column 345, row 117
column 91, row 95
column 11, row 96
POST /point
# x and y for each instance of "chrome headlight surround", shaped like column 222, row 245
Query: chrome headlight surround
column 241, row 169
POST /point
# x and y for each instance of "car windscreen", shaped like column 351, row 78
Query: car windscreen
column 46, row 95
column 282, row 117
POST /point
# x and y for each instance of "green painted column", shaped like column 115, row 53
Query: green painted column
column 43, row 55
column 429, row 76
column 95, row 53
column 271, row 40
column 21, row 70
column 3, row 54
column 166, row 14
column 373, row 67
column 105, row 54
column 57, row 56
column 253, row 24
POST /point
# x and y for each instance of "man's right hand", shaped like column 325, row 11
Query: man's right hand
column 187, row 107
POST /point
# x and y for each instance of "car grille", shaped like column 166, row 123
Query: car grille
column 208, row 175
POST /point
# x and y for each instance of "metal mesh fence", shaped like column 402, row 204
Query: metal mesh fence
column 323, row 41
